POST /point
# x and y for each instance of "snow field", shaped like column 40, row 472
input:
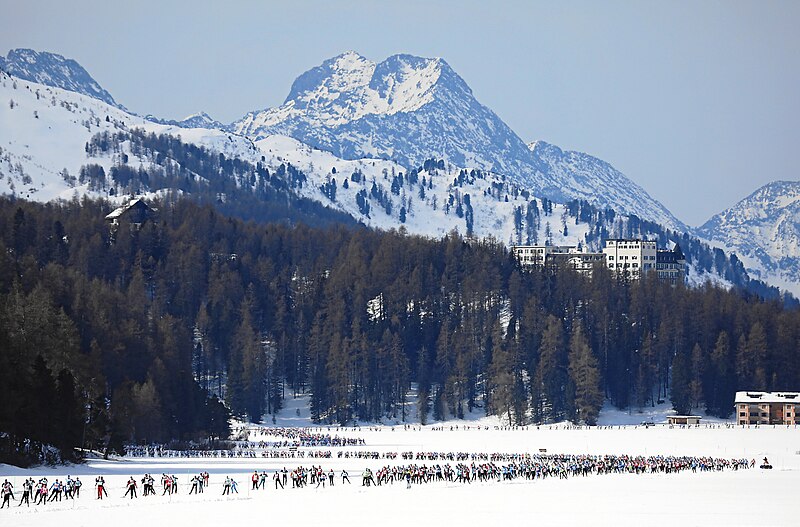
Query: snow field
column 745, row 497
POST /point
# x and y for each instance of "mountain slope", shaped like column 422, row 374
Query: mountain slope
column 409, row 109
column 763, row 230
column 585, row 175
column 56, row 144
column 404, row 108
column 53, row 70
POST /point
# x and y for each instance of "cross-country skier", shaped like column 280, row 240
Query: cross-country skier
column 131, row 488
column 100, row 483
column 197, row 482
column 7, row 492
column 27, row 491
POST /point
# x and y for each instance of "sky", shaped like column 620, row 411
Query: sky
column 696, row 101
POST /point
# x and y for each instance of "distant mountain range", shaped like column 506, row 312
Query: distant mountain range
column 358, row 130
column 406, row 109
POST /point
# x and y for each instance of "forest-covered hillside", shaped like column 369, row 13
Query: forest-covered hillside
column 130, row 334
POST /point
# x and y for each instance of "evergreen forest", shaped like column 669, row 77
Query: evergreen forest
column 159, row 332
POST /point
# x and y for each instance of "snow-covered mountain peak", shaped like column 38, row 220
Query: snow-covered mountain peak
column 763, row 229
column 350, row 61
column 404, row 108
column 348, row 87
column 544, row 148
column 199, row 120
column 764, row 203
column 53, row 70
column 410, row 109
column 196, row 120
column 331, row 75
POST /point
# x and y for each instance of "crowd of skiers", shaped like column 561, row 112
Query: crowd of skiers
column 298, row 436
column 560, row 466
column 314, row 437
column 41, row 491
column 163, row 451
column 459, row 468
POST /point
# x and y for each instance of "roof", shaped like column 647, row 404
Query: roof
column 768, row 397
column 684, row 417
column 116, row 213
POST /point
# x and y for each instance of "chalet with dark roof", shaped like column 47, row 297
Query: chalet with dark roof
column 135, row 212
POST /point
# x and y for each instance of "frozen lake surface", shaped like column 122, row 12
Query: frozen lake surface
column 744, row 497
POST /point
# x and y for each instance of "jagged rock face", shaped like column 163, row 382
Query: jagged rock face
column 54, row 70
column 763, row 230
column 405, row 108
column 409, row 109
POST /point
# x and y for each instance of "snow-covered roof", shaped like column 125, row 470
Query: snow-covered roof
column 116, row 213
column 768, row 397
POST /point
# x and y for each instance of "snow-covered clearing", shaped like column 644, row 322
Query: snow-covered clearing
column 744, row 497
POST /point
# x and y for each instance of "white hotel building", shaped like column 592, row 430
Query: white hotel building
column 633, row 257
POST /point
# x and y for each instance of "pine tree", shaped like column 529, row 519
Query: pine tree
column 423, row 386
column 744, row 364
column 696, row 388
column 644, row 372
column 501, row 371
column 68, row 414
column 757, row 350
column 681, row 384
column 722, row 375
column 585, row 377
column 551, row 378
column 339, row 385
column 146, row 413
